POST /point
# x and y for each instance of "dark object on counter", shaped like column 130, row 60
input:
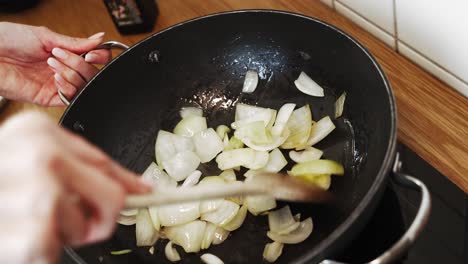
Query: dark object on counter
column 16, row 5
column 132, row 16
column 202, row 63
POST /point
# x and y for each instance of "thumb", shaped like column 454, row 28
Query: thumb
column 76, row 45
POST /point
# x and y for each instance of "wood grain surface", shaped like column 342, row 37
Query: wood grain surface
column 432, row 118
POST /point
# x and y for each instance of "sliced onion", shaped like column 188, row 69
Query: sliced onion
column 192, row 179
column 299, row 125
column 225, row 213
column 306, row 85
column 320, row 130
column 236, row 199
column 272, row 251
column 190, row 125
column 236, row 157
column 207, row 144
column 222, row 131
column 207, row 206
column 190, row 110
column 297, row 236
column 339, row 105
column 309, row 154
column 255, row 132
column 317, row 167
column 228, row 175
column 323, row 180
column 275, row 142
column 237, row 221
column 129, row 212
column 234, row 143
column 189, row 236
column 259, row 204
column 276, row 161
column 246, row 114
column 171, row 253
column 126, row 220
column 164, row 147
column 281, row 221
column 220, row 235
column 153, row 212
column 282, row 119
column 146, row 235
column 182, row 143
column 177, row 214
column 151, row 250
column 209, row 235
column 155, row 175
column 210, row 259
column 181, row 165
column 250, row 81
column 120, row 252
column 259, row 161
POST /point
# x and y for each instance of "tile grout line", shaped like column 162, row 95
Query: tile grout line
column 395, row 25
column 364, row 18
column 431, row 61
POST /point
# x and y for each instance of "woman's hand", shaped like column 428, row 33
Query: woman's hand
column 26, row 53
column 55, row 189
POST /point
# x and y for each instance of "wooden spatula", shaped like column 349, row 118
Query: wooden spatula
column 281, row 187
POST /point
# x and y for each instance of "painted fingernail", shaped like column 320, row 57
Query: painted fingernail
column 90, row 57
column 97, row 35
column 59, row 53
column 53, row 63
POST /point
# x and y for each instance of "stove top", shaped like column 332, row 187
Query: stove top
column 445, row 238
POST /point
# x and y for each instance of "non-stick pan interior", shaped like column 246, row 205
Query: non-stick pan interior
column 203, row 63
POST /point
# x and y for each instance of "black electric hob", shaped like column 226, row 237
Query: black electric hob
column 445, row 238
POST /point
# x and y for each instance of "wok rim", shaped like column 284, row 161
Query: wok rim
column 380, row 179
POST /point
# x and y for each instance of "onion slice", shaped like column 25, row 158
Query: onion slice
column 297, row 236
column 322, row 180
column 129, row 212
column 320, row 130
column 126, row 220
column 153, row 212
column 259, row 203
column 190, row 110
column 224, row 214
column 228, row 175
column 192, row 179
column 145, row 233
column 210, row 259
column 237, row 221
column 209, row 235
column 171, row 253
column 339, row 105
column 190, row 125
column 155, row 175
column 222, row 131
column 220, row 235
column 207, row 144
column 181, row 165
column 177, row 214
column 272, row 251
column 299, row 124
column 309, row 154
column 189, row 236
column 281, row 220
column 306, row 85
column 250, row 81
column 317, row 167
column 282, row 119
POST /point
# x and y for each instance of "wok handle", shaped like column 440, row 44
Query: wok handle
column 415, row 229
column 106, row 45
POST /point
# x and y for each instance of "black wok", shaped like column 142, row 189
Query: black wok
column 202, row 62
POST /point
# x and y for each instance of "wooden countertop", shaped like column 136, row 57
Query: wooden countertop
column 433, row 118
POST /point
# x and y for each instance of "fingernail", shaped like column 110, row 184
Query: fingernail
column 90, row 57
column 97, row 35
column 53, row 63
column 59, row 53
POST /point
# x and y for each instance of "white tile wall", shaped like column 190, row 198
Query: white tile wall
column 438, row 30
column 379, row 12
column 432, row 33
column 364, row 23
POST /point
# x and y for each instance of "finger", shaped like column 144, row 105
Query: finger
column 97, row 158
column 101, row 194
column 77, row 45
column 55, row 101
column 72, row 220
column 75, row 62
column 101, row 56
column 68, row 74
column 65, row 87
